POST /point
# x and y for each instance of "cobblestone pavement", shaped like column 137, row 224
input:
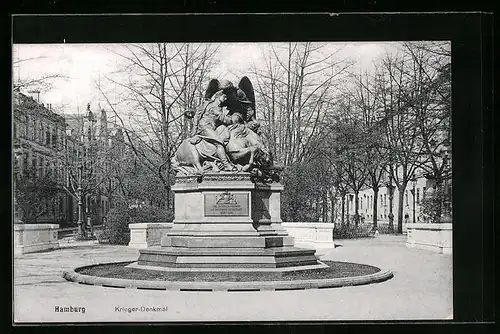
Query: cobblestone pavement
column 421, row 289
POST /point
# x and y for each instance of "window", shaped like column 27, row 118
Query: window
column 22, row 130
column 418, row 195
column 27, row 121
column 54, row 140
column 41, row 131
column 25, row 161
column 385, row 199
column 47, row 137
column 40, row 168
column 406, row 197
column 61, row 206
column 423, row 192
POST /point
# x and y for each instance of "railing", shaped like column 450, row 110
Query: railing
column 71, row 231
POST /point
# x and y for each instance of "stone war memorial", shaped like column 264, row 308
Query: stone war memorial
column 227, row 231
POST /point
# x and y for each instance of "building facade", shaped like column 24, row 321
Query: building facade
column 39, row 141
column 50, row 144
column 412, row 198
column 91, row 135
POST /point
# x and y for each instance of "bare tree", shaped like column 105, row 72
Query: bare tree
column 162, row 81
column 405, row 150
column 42, row 83
column 429, row 98
column 295, row 88
column 35, row 192
column 86, row 171
column 366, row 98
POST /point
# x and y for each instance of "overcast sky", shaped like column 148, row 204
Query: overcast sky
column 83, row 64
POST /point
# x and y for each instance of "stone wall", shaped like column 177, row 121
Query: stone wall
column 143, row 235
column 434, row 237
column 318, row 235
column 29, row 238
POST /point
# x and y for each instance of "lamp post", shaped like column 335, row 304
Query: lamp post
column 390, row 188
column 80, row 209
column 414, row 183
column 446, row 211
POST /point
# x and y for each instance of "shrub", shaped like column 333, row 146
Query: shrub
column 351, row 231
column 116, row 229
column 150, row 214
column 119, row 217
column 430, row 207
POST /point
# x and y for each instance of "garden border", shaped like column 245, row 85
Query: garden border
column 73, row 276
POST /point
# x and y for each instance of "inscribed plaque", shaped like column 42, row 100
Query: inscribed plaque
column 226, row 204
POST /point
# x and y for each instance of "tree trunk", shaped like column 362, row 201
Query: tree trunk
column 375, row 208
column 347, row 210
column 342, row 219
column 401, row 194
column 325, row 207
column 356, row 208
column 333, row 202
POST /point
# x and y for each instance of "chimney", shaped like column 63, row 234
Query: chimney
column 37, row 92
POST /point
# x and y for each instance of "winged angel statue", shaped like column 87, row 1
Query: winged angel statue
column 226, row 136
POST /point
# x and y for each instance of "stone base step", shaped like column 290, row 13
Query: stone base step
column 235, row 241
column 275, row 251
column 226, row 258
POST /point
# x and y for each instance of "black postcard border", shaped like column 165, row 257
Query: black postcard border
column 473, row 122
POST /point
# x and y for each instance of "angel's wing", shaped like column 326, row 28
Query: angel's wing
column 246, row 86
column 212, row 88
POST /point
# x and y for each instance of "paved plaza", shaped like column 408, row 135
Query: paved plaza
column 420, row 289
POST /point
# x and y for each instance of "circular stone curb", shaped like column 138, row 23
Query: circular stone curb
column 73, row 276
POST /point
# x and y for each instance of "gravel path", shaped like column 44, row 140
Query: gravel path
column 420, row 289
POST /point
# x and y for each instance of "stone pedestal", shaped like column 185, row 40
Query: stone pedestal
column 226, row 221
column 433, row 237
column 143, row 235
column 317, row 235
column 30, row 238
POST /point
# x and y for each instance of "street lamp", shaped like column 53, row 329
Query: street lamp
column 414, row 183
column 390, row 188
column 446, row 212
column 80, row 209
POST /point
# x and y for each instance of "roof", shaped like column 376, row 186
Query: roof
column 24, row 103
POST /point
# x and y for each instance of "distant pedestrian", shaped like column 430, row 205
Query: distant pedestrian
column 407, row 218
